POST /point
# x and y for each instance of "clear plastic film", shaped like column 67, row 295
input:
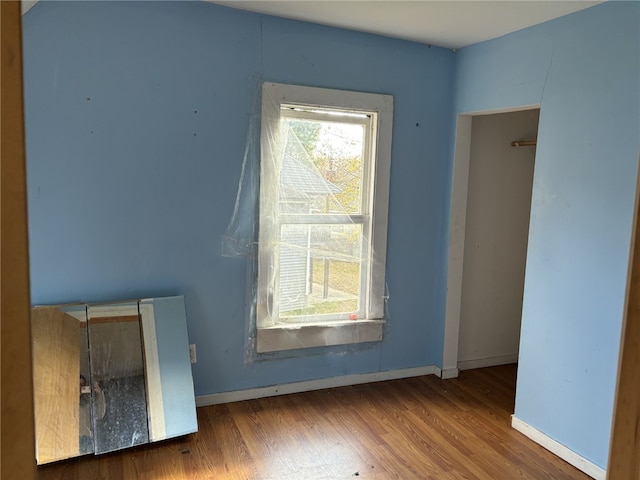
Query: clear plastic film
column 304, row 215
column 240, row 237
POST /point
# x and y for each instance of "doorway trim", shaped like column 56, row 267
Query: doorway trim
column 457, row 225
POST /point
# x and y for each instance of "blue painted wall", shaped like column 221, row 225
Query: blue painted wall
column 584, row 71
column 137, row 117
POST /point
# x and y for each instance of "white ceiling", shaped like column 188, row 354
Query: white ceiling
column 445, row 23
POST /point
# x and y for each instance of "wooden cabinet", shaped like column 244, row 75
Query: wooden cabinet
column 110, row 376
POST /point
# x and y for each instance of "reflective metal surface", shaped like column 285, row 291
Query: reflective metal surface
column 119, row 405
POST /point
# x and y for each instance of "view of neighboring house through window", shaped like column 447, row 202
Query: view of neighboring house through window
column 323, row 208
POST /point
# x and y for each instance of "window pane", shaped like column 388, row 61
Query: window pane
column 320, row 270
column 321, row 169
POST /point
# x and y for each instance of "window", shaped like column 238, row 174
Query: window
column 324, row 181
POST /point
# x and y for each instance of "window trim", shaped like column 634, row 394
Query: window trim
column 289, row 335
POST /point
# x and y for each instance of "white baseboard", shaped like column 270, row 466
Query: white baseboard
column 488, row 362
column 558, row 449
column 298, row 387
column 450, row 373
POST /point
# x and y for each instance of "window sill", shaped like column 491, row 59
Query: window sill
column 294, row 336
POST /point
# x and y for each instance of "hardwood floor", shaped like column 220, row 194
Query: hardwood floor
column 417, row 428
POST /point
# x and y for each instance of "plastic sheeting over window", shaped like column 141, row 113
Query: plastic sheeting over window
column 317, row 227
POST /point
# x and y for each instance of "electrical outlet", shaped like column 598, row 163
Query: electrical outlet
column 192, row 352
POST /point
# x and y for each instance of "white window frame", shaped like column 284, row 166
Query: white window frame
column 272, row 334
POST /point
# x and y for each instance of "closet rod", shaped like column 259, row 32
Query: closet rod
column 524, row 143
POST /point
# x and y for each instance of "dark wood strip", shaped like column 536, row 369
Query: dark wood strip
column 624, row 460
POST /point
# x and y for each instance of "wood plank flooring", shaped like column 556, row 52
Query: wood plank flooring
column 418, row 428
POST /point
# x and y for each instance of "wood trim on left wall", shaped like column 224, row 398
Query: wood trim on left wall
column 17, row 437
column 624, row 451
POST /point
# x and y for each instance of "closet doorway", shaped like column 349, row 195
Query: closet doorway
column 491, row 206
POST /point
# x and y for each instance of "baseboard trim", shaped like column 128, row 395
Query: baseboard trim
column 488, row 362
column 320, row 384
column 450, row 373
column 558, row 449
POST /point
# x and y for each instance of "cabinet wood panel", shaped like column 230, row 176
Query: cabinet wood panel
column 56, row 384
